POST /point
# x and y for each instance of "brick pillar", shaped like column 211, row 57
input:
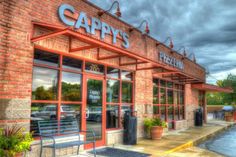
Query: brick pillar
column 15, row 65
column 143, row 98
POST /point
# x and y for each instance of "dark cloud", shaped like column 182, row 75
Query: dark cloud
column 207, row 28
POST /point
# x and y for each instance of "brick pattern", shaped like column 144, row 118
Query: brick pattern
column 191, row 102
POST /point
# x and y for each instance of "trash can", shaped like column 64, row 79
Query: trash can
column 199, row 117
column 130, row 129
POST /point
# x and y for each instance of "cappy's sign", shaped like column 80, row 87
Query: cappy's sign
column 96, row 24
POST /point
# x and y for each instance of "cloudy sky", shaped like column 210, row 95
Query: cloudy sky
column 205, row 28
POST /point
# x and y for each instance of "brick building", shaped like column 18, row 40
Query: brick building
column 70, row 58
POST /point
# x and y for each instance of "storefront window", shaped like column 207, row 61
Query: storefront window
column 71, row 87
column 44, row 86
column 72, row 64
column 169, row 84
column 176, row 113
column 42, row 112
column 170, row 96
column 156, row 109
column 171, row 101
column 113, row 73
column 94, row 68
column 127, row 92
column 155, row 95
column 112, row 114
column 42, row 57
column 126, row 75
column 163, row 112
column 113, row 90
column 163, row 96
column 170, row 112
column 50, row 68
column 163, row 83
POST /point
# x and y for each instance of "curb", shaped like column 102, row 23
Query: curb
column 197, row 141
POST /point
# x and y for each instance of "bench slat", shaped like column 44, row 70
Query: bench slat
column 68, row 144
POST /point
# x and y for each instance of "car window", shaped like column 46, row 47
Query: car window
column 51, row 109
column 67, row 108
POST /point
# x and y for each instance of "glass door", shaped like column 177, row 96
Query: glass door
column 94, row 109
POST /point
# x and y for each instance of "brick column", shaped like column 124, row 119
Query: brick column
column 15, row 64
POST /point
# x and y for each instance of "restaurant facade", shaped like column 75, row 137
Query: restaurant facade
column 63, row 59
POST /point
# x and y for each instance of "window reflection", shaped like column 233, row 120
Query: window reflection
column 126, row 92
column 42, row 57
column 112, row 114
column 112, row 72
column 44, row 86
column 42, row 112
column 72, row 64
column 163, row 96
column 163, row 112
column 155, row 82
column 126, row 75
column 155, row 109
column 170, row 113
column 176, row 113
column 163, row 83
column 170, row 96
column 113, row 90
column 155, row 95
column 94, row 108
column 94, row 68
column 71, row 86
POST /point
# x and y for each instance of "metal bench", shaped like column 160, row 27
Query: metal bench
column 61, row 134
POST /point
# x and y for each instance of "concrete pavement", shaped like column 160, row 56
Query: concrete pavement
column 181, row 143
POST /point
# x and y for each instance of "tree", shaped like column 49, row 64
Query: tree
column 224, row 98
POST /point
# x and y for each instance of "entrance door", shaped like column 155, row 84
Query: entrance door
column 94, row 108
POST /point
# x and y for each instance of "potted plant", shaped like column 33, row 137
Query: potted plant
column 13, row 141
column 154, row 127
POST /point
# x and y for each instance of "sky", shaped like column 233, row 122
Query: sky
column 205, row 28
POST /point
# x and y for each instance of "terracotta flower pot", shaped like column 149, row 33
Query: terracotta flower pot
column 19, row 155
column 156, row 132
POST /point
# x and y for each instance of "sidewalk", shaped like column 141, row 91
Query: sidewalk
column 180, row 143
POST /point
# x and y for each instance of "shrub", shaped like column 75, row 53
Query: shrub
column 150, row 122
column 13, row 140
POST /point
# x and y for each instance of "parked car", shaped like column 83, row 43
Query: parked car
column 50, row 112
column 94, row 114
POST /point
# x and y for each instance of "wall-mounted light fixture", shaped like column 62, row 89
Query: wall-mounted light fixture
column 171, row 45
column 117, row 13
column 184, row 53
column 147, row 31
column 194, row 58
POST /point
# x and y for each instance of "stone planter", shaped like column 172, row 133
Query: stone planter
column 156, row 132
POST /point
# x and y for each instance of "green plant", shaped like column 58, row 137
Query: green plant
column 13, row 140
column 150, row 122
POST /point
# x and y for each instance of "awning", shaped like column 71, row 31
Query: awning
column 140, row 62
column 211, row 88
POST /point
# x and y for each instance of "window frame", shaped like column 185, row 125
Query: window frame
column 83, row 74
column 176, row 87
